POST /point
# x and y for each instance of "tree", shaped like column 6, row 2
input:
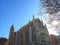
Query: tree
column 52, row 6
column 2, row 40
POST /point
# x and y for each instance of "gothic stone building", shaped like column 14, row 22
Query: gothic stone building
column 33, row 33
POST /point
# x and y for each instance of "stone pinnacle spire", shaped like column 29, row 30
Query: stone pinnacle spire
column 33, row 16
column 12, row 28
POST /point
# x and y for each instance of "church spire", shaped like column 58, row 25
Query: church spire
column 33, row 16
column 12, row 28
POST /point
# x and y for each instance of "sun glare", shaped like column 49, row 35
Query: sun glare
column 55, row 22
column 52, row 31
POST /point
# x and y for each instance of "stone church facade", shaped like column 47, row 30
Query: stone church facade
column 33, row 33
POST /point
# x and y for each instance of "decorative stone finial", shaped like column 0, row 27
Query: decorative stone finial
column 33, row 16
column 12, row 26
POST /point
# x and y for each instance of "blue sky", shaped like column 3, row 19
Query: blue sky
column 16, row 12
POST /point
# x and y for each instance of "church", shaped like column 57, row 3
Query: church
column 33, row 33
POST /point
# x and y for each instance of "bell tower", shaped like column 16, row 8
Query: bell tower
column 11, row 36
